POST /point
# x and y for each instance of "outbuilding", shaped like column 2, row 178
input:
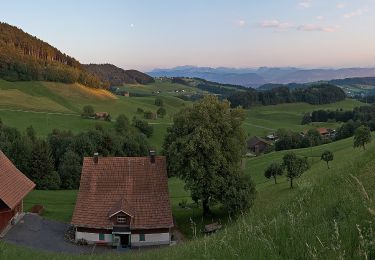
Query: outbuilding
column 14, row 186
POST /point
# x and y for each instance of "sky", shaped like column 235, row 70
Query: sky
column 148, row 34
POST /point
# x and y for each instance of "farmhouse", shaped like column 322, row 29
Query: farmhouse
column 257, row 145
column 123, row 201
column 101, row 115
column 14, row 186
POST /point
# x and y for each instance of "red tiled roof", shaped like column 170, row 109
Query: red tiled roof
column 323, row 130
column 14, row 185
column 130, row 184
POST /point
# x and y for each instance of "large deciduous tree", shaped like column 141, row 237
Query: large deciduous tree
column 295, row 166
column 204, row 147
column 327, row 156
column 362, row 136
column 273, row 171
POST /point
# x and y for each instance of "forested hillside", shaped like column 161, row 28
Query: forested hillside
column 24, row 57
column 116, row 76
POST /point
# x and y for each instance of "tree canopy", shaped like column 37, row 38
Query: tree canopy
column 327, row 156
column 362, row 136
column 295, row 166
column 274, row 170
column 204, row 147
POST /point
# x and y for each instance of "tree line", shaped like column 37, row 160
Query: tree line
column 288, row 139
column 55, row 162
column 316, row 95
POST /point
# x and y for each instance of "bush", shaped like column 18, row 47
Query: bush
column 88, row 111
column 143, row 126
column 161, row 112
column 159, row 102
column 150, row 115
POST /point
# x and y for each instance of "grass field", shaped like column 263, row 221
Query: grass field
column 47, row 105
column 264, row 120
column 329, row 215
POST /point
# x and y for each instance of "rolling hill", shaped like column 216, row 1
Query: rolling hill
column 24, row 57
column 116, row 76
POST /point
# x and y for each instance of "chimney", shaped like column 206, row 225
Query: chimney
column 152, row 156
column 96, row 158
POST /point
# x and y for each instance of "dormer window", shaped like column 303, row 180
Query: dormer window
column 121, row 219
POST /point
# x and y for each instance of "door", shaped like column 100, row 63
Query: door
column 124, row 240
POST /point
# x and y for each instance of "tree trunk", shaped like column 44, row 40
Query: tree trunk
column 327, row 165
column 291, row 183
column 275, row 179
column 206, row 208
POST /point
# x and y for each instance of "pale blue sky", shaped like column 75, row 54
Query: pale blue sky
column 146, row 34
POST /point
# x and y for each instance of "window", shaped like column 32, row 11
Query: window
column 121, row 219
column 142, row 237
column 101, row 237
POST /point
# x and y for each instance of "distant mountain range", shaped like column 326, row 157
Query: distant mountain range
column 264, row 75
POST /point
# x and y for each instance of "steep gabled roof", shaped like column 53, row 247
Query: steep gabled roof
column 133, row 185
column 255, row 140
column 14, row 185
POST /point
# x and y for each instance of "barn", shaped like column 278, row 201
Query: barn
column 14, row 186
column 123, row 202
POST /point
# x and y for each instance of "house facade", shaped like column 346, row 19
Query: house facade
column 14, row 186
column 123, row 201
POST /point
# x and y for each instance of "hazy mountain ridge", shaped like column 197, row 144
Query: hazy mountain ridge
column 255, row 77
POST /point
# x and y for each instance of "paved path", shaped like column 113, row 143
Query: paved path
column 259, row 126
column 41, row 234
column 39, row 112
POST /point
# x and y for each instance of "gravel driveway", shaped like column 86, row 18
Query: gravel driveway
column 38, row 233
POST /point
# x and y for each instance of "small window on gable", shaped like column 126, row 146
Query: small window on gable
column 121, row 219
column 142, row 237
column 101, row 237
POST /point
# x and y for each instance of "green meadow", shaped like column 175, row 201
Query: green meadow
column 47, row 105
column 328, row 215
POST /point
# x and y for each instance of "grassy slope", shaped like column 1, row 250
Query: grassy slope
column 288, row 116
column 48, row 105
column 46, row 98
column 320, row 218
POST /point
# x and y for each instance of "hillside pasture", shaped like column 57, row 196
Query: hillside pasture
column 264, row 120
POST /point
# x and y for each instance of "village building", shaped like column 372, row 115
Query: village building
column 14, row 186
column 126, row 94
column 257, row 145
column 123, row 201
column 101, row 115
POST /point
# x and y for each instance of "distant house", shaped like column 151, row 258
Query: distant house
column 324, row 131
column 271, row 137
column 257, row 145
column 14, row 186
column 123, row 201
column 101, row 115
column 126, row 94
